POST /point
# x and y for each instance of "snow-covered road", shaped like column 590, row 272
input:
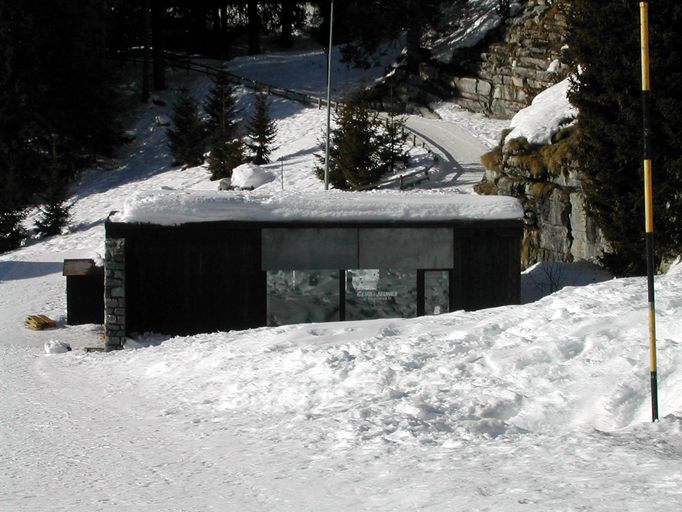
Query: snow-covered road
column 458, row 151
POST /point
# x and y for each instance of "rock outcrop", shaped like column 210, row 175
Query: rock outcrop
column 502, row 77
column 526, row 56
column 546, row 180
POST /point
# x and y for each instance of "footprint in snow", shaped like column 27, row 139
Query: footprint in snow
column 388, row 332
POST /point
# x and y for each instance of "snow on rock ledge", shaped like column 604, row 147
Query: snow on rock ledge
column 171, row 207
column 549, row 112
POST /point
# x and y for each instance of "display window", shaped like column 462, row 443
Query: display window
column 304, row 296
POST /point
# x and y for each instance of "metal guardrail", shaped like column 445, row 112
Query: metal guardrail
column 178, row 61
column 404, row 179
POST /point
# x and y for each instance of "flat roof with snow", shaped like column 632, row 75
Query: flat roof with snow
column 242, row 259
column 176, row 207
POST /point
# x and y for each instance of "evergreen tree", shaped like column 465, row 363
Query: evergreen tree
column 607, row 93
column 221, row 108
column 12, row 213
column 66, row 75
column 53, row 84
column 377, row 21
column 354, row 159
column 55, row 212
column 227, row 147
column 225, row 155
column 187, row 140
column 262, row 132
column 392, row 149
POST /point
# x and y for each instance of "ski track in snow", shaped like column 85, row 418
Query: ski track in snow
column 535, row 407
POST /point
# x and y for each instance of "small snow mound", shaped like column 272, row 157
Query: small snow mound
column 56, row 347
column 250, row 176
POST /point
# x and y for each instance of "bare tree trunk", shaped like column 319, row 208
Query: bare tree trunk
column 223, row 38
column 418, row 14
column 254, row 28
column 159, row 43
column 146, row 56
column 287, row 37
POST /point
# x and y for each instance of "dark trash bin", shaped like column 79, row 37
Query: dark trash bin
column 84, row 292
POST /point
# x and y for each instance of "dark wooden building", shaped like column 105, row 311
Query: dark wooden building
column 204, row 276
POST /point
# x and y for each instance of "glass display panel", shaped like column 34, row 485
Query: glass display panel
column 302, row 296
column 380, row 293
column 436, row 292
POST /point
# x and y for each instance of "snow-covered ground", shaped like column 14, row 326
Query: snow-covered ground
column 536, row 407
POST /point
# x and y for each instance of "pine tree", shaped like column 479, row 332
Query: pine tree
column 187, row 140
column 262, row 132
column 392, row 149
column 225, row 155
column 227, row 147
column 354, row 159
column 55, row 212
column 376, row 21
column 12, row 213
column 607, row 93
column 221, row 108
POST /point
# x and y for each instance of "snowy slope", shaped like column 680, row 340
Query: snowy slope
column 535, row 407
column 542, row 406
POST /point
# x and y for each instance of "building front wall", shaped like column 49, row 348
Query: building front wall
column 180, row 282
column 217, row 276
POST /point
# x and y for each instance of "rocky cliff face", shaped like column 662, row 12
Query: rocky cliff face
column 546, row 180
column 526, row 56
column 500, row 75
column 501, row 79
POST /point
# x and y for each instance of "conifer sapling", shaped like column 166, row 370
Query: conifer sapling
column 187, row 139
column 262, row 132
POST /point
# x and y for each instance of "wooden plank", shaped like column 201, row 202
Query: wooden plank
column 39, row 322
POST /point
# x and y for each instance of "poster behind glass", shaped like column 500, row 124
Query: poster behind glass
column 380, row 293
column 436, row 292
column 302, row 296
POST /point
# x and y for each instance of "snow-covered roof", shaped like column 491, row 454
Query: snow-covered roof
column 173, row 207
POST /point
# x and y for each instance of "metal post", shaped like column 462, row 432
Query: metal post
column 648, row 203
column 329, row 95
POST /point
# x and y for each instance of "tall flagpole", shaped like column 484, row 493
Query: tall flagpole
column 648, row 203
column 329, row 97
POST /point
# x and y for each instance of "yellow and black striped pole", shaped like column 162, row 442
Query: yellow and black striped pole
column 648, row 203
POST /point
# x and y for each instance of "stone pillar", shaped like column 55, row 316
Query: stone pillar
column 114, row 294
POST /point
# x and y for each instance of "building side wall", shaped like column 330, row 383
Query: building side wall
column 179, row 282
column 114, row 293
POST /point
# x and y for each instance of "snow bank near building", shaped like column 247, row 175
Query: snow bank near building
column 548, row 113
column 172, row 207
column 571, row 361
